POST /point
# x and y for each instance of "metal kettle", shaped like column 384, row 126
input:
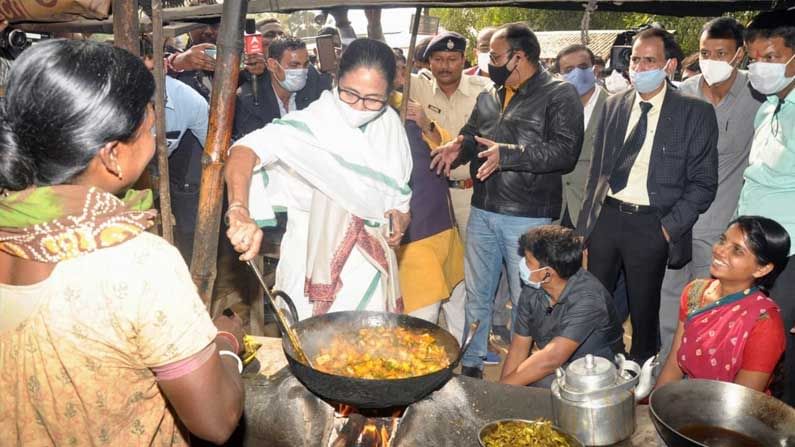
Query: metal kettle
column 595, row 401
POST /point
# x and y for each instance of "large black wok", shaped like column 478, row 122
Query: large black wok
column 722, row 411
column 315, row 332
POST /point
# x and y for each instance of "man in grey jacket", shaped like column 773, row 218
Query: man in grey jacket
column 575, row 64
column 727, row 89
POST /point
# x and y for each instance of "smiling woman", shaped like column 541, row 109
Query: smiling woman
column 729, row 329
column 341, row 168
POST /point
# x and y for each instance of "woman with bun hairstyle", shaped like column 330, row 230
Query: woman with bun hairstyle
column 103, row 337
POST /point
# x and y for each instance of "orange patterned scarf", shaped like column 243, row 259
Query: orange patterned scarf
column 55, row 223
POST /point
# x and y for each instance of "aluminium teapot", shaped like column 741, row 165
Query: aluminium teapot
column 595, row 401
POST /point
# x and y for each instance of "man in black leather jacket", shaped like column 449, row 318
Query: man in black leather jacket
column 521, row 137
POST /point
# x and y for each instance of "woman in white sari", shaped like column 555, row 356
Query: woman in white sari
column 341, row 168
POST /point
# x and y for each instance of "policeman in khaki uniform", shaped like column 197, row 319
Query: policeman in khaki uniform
column 441, row 106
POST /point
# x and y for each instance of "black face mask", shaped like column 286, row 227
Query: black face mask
column 500, row 74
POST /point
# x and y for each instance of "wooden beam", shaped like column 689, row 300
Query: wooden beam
column 173, row 29
column 222, row 111
column 125, row 25
column 404, row 107
column 166, row 217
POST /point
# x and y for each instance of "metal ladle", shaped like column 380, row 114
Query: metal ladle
column 291, row 335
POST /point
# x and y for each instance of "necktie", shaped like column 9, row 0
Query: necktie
column 629, row 151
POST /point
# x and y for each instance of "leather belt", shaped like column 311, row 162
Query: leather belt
column 460, row 184
column 629, row 208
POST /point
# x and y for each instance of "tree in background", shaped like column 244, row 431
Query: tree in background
column 467, row 21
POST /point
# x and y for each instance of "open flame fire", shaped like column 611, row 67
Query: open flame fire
column 360, row 430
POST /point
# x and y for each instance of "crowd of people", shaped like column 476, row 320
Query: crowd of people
column 551, row 204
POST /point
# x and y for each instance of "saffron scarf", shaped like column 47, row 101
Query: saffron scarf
column 55, row 223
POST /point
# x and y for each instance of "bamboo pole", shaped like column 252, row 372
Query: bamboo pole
column 125, row 25
column 166, row 217
column 222, row 111
column 404, row 107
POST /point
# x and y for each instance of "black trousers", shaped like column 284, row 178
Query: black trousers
column 634, row 242
column 783, row 293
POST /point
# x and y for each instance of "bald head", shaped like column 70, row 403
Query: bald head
column 484, row 37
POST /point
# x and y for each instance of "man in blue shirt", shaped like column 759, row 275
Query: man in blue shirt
column 769, row 188
column 187, row 116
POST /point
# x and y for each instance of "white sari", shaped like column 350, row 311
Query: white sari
column 336, row 182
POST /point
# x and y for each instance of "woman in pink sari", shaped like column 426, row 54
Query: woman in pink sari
column 729, row 329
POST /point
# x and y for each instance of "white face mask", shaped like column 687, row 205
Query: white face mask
column 769, row 78
column 616, row 83
column 483, row 62
column 715, row 72
column 294, row 79
column 355, row 118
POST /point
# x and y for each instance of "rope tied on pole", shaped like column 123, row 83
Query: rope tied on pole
column 585, row 24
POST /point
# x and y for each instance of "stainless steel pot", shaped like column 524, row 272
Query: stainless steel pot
column 595, row 400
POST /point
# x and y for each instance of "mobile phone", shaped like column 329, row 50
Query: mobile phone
column 391, row 225
column 210, row 52
column 326, row 54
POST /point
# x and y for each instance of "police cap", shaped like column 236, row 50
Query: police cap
column 449, row 41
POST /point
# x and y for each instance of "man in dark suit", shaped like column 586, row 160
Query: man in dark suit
column 289, row 83
column 654, row 170
column 575, row 64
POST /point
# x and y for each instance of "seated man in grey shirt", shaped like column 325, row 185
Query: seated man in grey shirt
column 563, row 309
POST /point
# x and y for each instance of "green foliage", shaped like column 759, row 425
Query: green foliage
column 468, row 21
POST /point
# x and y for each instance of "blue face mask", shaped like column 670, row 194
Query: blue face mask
column 525, row 272
column 649, row 80
column 583, row 79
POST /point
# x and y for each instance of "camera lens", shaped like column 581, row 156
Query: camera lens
column 17, row 38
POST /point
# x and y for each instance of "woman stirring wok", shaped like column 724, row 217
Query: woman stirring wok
column 729, row 330
column 341, row 168
column 103, row 338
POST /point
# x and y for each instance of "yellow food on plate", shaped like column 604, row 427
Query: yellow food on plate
column 382, row 353
column 538, row 433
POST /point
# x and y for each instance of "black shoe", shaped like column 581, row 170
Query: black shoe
column 472, row 371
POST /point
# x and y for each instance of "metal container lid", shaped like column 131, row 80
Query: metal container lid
column 589, row 374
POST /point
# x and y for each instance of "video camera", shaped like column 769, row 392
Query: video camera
column 622, row 48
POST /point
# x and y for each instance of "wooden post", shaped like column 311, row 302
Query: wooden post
column 409, row 63
column 222, row 112
column 125, row 25
column 166, row 217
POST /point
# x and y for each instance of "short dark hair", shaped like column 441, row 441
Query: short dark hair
column 571, row 49
column 769, row 242
column 776, row 23
column 725, row 28
column 520, row 37
column 553, row 246
column 691, row 63
column 399, row 57
column 65, row 100
column 280, row 45
column 671, row 47
column 329, row 31
column 369, row 53
column 419, row 50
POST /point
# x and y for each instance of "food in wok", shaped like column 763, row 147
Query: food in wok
column 520, row 433
column 382, row 353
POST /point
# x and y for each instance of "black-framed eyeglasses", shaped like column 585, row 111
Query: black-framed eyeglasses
column 350, row 97
column 493, row 56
